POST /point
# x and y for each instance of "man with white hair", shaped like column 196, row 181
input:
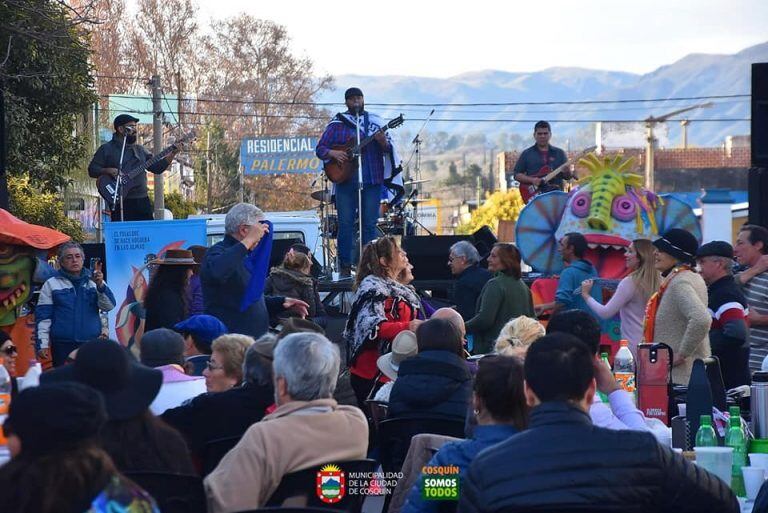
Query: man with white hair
column 308, row 428
column 225, row 277
column 463, row 261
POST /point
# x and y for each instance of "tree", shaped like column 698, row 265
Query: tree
column 180, row 207
column 42, row 208
column 44, row 64
column 497, row 206
column 454, row 178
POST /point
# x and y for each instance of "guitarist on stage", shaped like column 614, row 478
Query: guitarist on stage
column 106, row 161
column 539, row 159
column 380, row 163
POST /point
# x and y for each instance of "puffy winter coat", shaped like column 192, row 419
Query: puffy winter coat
column 295, row 284
column 563, row 461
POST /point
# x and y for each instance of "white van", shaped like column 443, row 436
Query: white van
column 303, row 225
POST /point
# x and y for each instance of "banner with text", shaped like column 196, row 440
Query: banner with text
column 279, row 155
column 130, row 247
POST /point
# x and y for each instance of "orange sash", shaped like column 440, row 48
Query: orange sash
column 652, row 308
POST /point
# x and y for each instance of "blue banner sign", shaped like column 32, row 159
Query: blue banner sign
column 279, row 155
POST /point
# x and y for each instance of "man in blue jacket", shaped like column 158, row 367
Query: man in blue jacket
column 67, row 312
column 564, row 462
column 226, row 278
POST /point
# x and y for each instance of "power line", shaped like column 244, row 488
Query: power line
column 241, row 100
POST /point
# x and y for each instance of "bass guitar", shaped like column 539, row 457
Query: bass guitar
column 340, row 172
column 528, row 191
column 107, row 184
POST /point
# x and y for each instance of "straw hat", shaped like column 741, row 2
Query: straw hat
column 403, row 347
column 176, row 257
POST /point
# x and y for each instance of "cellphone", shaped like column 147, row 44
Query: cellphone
column 94, row 261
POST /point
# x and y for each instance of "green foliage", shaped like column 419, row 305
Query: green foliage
column 180, row 207
column 47, row 85
column 225, row 163
column 32, row 205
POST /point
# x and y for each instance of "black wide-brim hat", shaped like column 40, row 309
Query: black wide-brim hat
column 127, row 386
column 678, row 243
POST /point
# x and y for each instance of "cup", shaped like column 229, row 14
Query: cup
column 757, row 459
column 681, row 408
column 716, row 460
column 753, row 480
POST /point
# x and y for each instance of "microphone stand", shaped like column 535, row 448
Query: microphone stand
column 359, row 184
column 120, row 181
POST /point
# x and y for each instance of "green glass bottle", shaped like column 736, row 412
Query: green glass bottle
column 737, row 439
column 604, row 360
column 705, row 436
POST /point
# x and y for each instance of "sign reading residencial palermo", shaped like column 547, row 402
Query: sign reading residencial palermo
column 279, row 155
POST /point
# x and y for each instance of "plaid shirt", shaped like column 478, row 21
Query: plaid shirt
column 338, row 133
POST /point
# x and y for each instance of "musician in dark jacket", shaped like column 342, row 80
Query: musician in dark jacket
column 226, row 279
column 464, row 262
column 562, row 461
column 106, row 161
column 436, row 381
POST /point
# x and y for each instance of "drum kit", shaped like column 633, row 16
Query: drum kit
column 395, row 218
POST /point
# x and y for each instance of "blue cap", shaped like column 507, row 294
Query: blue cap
column 205, row 328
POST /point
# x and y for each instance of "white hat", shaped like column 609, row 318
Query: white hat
column 403, row 347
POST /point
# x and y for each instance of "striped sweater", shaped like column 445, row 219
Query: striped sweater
column 756, row 291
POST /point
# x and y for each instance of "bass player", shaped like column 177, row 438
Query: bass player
column 540, row 159
column 106, row 161
column 380, row 164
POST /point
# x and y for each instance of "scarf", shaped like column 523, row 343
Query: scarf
column 368, row 313
column 652, row 308
column 257, row 263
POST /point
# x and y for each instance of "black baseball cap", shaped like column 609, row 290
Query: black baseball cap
column 352, row 91
column 123, row 119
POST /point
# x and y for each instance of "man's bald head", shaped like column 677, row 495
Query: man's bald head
column 451, row 315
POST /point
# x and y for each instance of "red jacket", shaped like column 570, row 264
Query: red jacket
column 399, row 315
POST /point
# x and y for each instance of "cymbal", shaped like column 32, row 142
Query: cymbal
column 416, row 200
column 414, row 182
column 323, row 195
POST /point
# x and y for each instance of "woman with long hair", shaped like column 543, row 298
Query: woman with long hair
column 293, row 278
column 677, row 314
column 632, row 293
column 382, row 308
column 166, row 302
column 503, row 297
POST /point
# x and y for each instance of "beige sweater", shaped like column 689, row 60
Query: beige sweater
column 682, row 322
column 296, row 436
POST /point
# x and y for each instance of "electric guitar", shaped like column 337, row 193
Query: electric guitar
column 528, row 191
column 340, row 172
column 107, row 184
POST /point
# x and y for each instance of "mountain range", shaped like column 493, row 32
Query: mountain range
column 695, row 75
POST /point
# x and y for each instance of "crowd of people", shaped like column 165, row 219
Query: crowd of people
column 231, row 359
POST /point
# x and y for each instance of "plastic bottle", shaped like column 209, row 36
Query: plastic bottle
column 5, row 397
column 32, row 377
column 624, row 368
column 604, row 361
column 705, row 436
column 736, row 438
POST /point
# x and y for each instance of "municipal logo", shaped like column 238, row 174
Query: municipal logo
column 331, row 484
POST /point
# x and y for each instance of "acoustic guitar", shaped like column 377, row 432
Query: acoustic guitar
column 528, row 191
column 107, row 184
column 340, row 172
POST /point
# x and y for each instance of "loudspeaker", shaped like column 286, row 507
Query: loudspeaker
column 429, row 254
column 759, row 135
column 757, row 196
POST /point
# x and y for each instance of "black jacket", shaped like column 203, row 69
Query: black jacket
column 729, row 333
column 108, row 155
column 431, row 383
column 225, row 279
column 467, row 289
column 290, row 283
column 563, row 461
column 227, row 414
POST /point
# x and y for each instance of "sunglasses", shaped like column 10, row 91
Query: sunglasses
column 10, row 350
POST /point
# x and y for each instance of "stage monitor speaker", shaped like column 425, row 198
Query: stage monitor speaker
column 758, row 196
column 429, row 255
column 759, row 132
column 281, row 246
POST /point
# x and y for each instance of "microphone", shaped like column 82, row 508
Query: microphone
column 129, row 129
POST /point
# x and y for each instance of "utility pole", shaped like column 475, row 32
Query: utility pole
column 157, row 143
column 240, row 179
column 179, row 103
column 684, row 128
column 650, row 139
column 208, row 173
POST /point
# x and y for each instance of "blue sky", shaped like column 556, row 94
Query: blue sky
column 442, row 39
